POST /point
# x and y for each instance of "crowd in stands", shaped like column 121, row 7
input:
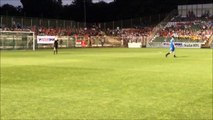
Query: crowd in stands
column 136, row 35
column 190, row 27
column 51, row 31
column 194, row 30
column 65, row 31
column 92, row 31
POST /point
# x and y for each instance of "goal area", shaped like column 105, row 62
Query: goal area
column 17, row 40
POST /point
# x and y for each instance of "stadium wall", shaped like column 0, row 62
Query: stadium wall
column 198, row 9
column 177, row 44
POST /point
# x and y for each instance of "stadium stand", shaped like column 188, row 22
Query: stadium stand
column 189, row 27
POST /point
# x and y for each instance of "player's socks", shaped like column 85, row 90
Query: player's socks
column 167, row 54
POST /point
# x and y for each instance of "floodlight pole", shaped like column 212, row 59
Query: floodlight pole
column 85, row 15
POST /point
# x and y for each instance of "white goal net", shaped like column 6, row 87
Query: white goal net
column 17, row 40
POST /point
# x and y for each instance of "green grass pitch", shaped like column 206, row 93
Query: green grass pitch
column 106, row 83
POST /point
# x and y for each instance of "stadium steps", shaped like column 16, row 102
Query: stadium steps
column 208, row 43
column 162, row 24
column 210, row 40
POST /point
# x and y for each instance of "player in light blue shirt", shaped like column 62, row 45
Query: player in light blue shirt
column 172, row 47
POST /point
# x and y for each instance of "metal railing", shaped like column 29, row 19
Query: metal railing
column 28, row 22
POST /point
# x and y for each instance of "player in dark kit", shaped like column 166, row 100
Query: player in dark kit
column 172, row 47
column 55, row 47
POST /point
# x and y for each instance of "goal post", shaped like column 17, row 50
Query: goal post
column 17, row 40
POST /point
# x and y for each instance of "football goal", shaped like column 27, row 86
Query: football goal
column 17, row 40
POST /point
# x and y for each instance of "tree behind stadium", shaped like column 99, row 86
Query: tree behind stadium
column 42, row 8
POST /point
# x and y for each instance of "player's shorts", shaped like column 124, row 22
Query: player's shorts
column 172, row 49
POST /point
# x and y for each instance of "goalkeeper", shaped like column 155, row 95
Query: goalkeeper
column 55, row 47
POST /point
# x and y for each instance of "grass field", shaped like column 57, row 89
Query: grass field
column 113, row 83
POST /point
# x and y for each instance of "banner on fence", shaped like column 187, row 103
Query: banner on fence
column 154, row 45
column 78, row 43
column 192, row 45
column 177, row 44
column 45, row 39
column 83, row 43
column 134, row 45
